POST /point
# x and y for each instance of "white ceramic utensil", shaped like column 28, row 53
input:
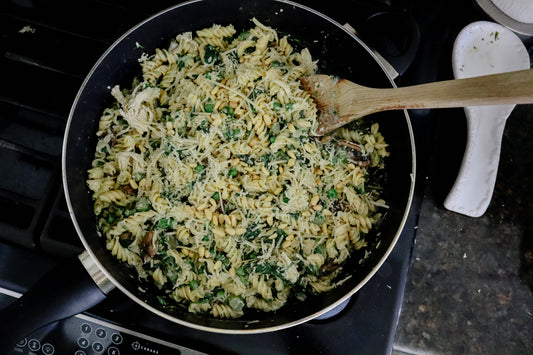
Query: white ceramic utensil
column 483, row 48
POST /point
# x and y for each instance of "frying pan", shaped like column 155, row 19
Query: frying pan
column 83, row 281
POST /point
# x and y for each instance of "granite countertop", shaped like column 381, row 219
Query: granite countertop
column 470, row 283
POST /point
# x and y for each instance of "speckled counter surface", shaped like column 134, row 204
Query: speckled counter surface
column 470, row 284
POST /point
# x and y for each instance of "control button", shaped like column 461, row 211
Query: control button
column 80, row 352
column 98, row 347
column 101, row 333
column 86, row 328
column 113, row 351
column 83, row 342
column 116, row 338
column 34, row 345
column 136, row 346
column 22, row 343
column 48, row 349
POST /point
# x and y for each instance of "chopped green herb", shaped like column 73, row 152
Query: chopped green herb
column 252, row 231
column 332, row 193
column 194, row 284
column 321, row 249
column 165, row 223
column 220, row 294
column 247, row 159
column 168, row 148
column 111, row 218
column 224, row 260
column 210, row 54
column 143, row 204
column 123, row 121
column 319, row 219
column 267, row 269
column 240, row 271
column 161, row 301
column 276, row 106
column 281, row 155
column 216, row 196
column 170, row 268
column 360, row 189
column 341, row 156
column 181, row 64
column 255, row 93
column 204, row 126
column 313, row 269
column 243, row 274
column 228, row 111
column 244, row 35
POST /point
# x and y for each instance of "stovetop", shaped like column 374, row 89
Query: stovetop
column 47, row 49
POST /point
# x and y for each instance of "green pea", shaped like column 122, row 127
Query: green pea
column 199, row 168
column 209, row 107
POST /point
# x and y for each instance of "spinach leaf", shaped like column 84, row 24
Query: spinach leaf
column 252, row 231
column 211, row 54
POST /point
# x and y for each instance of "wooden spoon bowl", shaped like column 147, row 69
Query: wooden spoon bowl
column 341, row 101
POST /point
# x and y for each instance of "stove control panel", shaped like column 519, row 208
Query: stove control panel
column 85, row 335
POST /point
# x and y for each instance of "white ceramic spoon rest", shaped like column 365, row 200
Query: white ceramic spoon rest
column 483, row 48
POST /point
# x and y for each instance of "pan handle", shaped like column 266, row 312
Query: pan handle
column 73, row 286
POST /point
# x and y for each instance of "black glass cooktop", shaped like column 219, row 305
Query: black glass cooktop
column 47, row 48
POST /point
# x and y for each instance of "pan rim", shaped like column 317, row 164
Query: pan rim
column 174, row 319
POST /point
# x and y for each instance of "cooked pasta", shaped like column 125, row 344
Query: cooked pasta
column 207, row 181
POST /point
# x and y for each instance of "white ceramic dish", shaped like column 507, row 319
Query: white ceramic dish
column 483, row 48
column 516, row 15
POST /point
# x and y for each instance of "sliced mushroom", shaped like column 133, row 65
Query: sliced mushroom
column 344, row 143
column 148, row 245
column 128, row 190
column 328, row 268
column 355, row 153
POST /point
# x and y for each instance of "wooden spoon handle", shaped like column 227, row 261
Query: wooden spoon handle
column 497, row 89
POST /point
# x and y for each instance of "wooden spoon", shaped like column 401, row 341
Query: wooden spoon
column 340, row 101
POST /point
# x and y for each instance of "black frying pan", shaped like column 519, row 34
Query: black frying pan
column 72, row 290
